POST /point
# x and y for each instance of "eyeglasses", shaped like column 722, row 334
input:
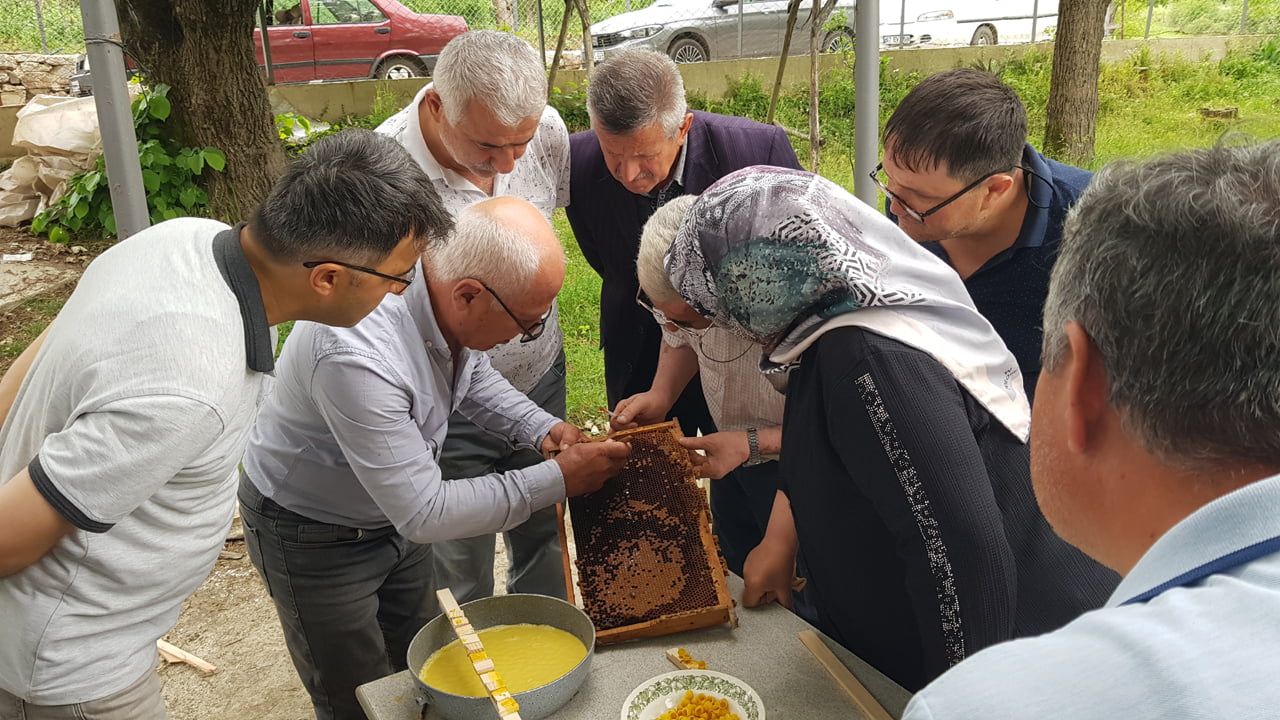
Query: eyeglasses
column 531, row 333
column 920, row 216
column 405, row 281
column 643, row 301
column 699, row 335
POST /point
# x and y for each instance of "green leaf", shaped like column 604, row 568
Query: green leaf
column 92, row 179
column 171, row 213
column 39, row 223
column 160, row 107
column 81, row 208
column 59, row 234
column 195, row 160
column 110, row 223
column 151, row 179
column 187, row 197
column 215, row 158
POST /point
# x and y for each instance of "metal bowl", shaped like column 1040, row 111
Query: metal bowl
column 506, row 610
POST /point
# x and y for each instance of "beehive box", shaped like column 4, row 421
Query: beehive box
column 647, row 562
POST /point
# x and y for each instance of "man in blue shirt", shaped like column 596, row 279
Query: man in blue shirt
column 1156, row 451
column 961, row 179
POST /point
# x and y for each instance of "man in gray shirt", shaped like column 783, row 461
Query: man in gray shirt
column 119, row 449
column 483, row 129
column 342, row 485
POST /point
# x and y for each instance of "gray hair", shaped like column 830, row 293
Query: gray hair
column 635, row 89
column 352, row 196
column 655, row 241
column 1172, row 267
column 487, row 249
column 496, row 68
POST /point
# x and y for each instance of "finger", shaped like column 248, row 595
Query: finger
column 695, row 443
column 754, row 597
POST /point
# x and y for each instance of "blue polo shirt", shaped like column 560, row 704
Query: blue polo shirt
column 1201, row 651
column 1010, row 289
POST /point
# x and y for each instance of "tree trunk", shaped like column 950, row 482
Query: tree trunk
column 1072, row 112
column 505, row 15
column 203, row 50
column 793, row 9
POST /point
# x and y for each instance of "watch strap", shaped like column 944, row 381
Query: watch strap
column 753, row 442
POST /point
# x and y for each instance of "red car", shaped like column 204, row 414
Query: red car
column 343, row 39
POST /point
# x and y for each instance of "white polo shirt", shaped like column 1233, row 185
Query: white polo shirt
column 540, row 176
column 131, row 421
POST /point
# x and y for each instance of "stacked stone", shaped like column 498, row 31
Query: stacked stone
column 23, row 76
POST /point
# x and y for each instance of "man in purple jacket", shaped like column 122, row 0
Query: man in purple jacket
column 645, row 148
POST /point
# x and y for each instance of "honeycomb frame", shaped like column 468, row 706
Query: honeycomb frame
column 648, row 563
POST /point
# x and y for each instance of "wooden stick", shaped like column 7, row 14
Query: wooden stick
column 174, row 654
column 564, row 555
column 856, row 691
column 507, row 707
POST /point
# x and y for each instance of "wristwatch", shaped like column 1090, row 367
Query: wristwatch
column 753, row 442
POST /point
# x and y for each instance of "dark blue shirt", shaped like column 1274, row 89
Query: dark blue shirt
column 1010, row 289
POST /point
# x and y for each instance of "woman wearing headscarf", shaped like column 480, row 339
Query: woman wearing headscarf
column 905, row 488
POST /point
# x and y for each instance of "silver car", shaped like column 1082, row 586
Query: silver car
column 693, row 31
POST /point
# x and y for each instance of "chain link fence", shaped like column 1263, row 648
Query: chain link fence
column 695, row 30
column 41, row 26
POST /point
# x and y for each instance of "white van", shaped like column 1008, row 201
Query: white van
column 987, row 22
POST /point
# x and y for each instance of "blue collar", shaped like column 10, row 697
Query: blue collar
column 1035, row 223
column 1222, row 535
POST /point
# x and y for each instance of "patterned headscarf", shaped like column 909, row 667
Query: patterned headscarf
column 781, row 256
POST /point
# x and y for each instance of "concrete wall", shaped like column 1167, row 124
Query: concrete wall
column 330, row 102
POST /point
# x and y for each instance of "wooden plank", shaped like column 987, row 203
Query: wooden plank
column 174, row 654
column 856, row 691
column 503, row 703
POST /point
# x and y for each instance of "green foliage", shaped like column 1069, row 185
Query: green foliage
column 571, row 103
column 169, row 174
column 580, row 321
column 63, row 26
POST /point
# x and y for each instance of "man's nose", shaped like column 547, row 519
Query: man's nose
column 504, row 160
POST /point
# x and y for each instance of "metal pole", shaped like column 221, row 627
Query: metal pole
column 902, row 25
column 111, row 96
column 740, row 27
column 44, row 44
column 1151, row 8
column 1035, row 15
column 1244, row 19
column 266, row 44
column 866, row 99
column 542, row 36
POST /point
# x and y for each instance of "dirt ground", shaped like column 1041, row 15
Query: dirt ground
column 231, row 622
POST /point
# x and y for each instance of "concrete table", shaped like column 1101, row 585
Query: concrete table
column 764, row 651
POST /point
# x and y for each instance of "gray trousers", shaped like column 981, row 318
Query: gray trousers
column 139, row 701
column 533, row 547
column 350, row 600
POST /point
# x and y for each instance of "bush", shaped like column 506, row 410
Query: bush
column 169, row 173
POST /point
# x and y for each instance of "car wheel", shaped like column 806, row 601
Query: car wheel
column 399, row 68
column 838, row 41
column 688, row 50
column 985, row 35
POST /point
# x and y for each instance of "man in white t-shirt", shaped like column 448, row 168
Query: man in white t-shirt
column 483, row 129
column 124, row 422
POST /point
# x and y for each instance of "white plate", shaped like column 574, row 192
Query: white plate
column 662, row 693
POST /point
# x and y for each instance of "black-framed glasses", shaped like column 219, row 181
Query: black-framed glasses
column 920, row 216
column 405, row 280
column 529, row 334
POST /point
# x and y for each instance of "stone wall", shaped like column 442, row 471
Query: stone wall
column 25, row 76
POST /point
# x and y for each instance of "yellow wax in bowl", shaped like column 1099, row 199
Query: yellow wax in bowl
column 525, row 657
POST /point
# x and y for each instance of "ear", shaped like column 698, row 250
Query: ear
column 1085, row 387
column 998, row 186
column 325, row 279
column 464, row 294
column 432, row 105
column 684, row 126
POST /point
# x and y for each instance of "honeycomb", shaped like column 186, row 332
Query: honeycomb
column 644, row 547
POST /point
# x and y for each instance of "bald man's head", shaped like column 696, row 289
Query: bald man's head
column 503, row 248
